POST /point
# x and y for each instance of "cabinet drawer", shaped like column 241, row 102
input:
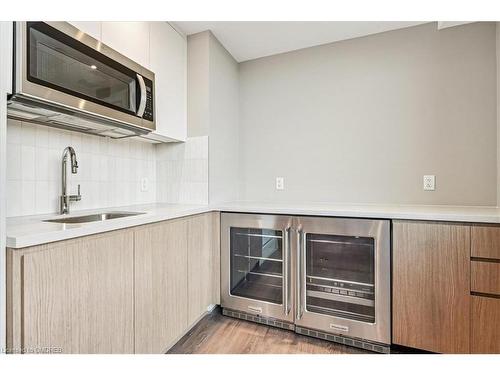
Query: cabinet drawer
column 485, row 325
column 485, row 277
column 485, row 241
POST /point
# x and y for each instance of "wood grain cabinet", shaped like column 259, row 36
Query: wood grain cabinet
column 203, row 265
column 160, row 285
column 72, row 296
column 133, row 290
column 485, row 325
column 431, row 286
column 485, row 289
column 176, row 279
column 485, row 241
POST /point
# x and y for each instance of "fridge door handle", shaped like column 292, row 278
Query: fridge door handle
column 286, row 275
column 299, row 287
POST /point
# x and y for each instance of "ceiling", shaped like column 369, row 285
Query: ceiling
column 247, row 40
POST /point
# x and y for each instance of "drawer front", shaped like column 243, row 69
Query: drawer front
column 485, row 331
column 485, row 241
column 485, row 277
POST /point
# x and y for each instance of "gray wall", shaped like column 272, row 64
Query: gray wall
column 213, row 91
column 363, row 120
column 223, row 137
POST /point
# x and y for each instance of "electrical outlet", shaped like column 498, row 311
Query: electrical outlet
column 144, row 184
column 280, row 183
column 429, row 182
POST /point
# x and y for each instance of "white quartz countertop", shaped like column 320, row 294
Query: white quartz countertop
column 26, row 231
column 32, row 230
column 470, row 214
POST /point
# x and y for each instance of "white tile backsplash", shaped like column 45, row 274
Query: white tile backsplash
column 182, row 171
column 109, row 170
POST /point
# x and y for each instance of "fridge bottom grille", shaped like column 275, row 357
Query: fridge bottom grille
column 358, row 343
column 258, row 319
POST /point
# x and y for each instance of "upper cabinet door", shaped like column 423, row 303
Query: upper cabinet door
column 169, row 63
column 129, row 38
column 92, row 28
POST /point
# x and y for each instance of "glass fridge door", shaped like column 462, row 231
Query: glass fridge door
column 256, row 264
column 340, row 276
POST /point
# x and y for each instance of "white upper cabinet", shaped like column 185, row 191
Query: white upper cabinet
column 129, row 38
column 168, row 60
column 92, row 28
column 160, row 48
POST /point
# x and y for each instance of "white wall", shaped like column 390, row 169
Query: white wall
column 363, row 120
column 224, row 131
column 213, row 110
column 109, row 171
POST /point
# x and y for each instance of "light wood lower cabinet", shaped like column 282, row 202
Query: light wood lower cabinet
column 160, row 285
column 431, row 286
column 203, row 265
column 73, row 296
column 176, row 279
column 134, row 290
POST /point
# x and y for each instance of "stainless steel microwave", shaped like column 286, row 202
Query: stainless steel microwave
column 64, row 77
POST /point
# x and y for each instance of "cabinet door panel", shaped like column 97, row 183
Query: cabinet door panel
column 168, row 60
column 92, row 28
column 160, row 285
column 485, row 241
column 203, row 267
column 485, row 277
column 431, row 285
column 485, row 325
column 129, row 38
column 78, row 296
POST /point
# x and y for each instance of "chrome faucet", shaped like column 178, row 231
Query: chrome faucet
column 65, row 198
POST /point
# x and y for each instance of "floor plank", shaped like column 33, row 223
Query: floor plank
column 218, row 334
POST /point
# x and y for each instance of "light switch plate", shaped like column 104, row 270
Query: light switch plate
column 430, row 182
column 280, row 183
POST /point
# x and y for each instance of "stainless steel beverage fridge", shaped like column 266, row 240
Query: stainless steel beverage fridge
column 323, row 277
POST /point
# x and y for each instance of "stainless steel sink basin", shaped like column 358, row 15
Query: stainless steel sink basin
column 94, row 217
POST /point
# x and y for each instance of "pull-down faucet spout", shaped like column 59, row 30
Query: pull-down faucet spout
column 65, row 198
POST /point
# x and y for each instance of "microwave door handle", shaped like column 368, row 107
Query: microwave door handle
column 142, row 103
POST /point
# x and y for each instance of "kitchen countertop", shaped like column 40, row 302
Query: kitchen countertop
column 26, row 231
column 23, row 231
column 471, row 214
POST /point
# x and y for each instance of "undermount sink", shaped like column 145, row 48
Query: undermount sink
column 94, row 217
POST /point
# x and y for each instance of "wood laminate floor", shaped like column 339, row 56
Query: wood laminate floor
column 218, row 334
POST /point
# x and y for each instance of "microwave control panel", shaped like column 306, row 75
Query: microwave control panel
column 149, row 111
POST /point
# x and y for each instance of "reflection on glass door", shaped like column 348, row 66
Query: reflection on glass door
column 340, row 276
column 257, row 264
